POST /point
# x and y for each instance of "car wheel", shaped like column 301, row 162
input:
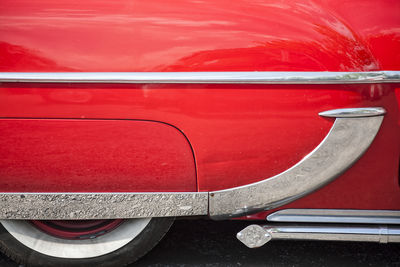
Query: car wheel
column 80, row 243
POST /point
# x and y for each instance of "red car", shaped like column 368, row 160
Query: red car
column 117, row 116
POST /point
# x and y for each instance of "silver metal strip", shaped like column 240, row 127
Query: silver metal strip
column 68, row 206
column 353, row 112
column 346, row 142
column 261, row 77
column 255, row 236
column 336, row 216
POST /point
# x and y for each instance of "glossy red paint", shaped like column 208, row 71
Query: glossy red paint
column 239, row 133
column 93, row 156
column 217, row 35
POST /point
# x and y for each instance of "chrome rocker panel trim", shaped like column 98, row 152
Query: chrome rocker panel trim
column 239, row 77
column 336, row 216
column 346, row 142
column 349, row 137
column 68, row 206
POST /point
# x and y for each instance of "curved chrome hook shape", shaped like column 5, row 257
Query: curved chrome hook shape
column 350, row 136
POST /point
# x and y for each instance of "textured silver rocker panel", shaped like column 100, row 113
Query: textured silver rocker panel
column 68, row 206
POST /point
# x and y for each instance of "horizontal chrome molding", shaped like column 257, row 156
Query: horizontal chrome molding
column 68, row 206
column 353, row 112
column 346, row 142
column 255, row 77
column 336, row 216
column 255, row 235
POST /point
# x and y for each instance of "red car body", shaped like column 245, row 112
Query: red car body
column 171, row 137
column 238, row 134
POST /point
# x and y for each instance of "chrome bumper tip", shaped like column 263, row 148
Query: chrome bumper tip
column 254, row 236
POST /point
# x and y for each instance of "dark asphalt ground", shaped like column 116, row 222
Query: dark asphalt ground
column 209, row 243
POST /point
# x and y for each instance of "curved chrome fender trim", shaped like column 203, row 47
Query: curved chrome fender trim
column 351, row 134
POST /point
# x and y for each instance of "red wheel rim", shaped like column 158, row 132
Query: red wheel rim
column 77, row 229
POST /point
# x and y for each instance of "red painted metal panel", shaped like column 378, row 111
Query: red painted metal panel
column 93, row 156
column 239, row 133
column 214, row 35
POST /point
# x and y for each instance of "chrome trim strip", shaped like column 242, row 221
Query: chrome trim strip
column 353, row 112
column 250, row 77
column 336, row 216
column 255, row 235
column 68, row 206
column 346, row 142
